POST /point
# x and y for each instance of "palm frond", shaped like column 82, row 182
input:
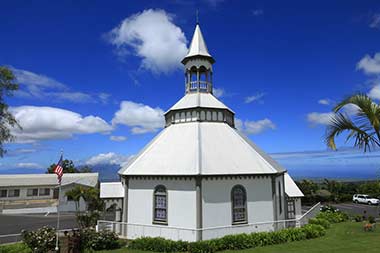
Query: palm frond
column 368, row 111
column 363, row 135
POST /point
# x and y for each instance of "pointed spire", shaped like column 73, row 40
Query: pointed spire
column 198, row 45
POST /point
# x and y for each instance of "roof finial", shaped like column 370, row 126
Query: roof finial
column 197, row 16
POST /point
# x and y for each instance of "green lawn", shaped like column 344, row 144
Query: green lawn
column 343, row 237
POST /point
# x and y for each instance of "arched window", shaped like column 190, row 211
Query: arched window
column 160, row 204
column 239, row 204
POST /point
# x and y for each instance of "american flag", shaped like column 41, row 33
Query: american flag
column 59, row 170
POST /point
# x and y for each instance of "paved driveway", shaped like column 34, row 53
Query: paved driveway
column 13, row 224
column 358, row 209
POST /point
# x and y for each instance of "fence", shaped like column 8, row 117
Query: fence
column 133, row 231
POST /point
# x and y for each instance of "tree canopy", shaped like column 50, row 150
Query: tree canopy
column 69, row 167
column 7, row 120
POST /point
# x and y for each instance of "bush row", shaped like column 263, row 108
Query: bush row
column 90, row 239
column 230, row 242
column 43, row 240
column 333, row 216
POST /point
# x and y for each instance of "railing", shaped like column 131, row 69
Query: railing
column 201, row 85
column 311, row 213
column 133, row 231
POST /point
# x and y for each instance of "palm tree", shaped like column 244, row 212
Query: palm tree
column 76, row 194
column 363, row 126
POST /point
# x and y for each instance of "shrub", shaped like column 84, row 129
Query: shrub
column 320, row 221
column 40, row 241
column 358, row 218
column 371, row 219
column 158, row 244
column 88, row 219
column 90, row 239
column 333, row 216
column 313, row 231
column 230, row 242
column 328, row 208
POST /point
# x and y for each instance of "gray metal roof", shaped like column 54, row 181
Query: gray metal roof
column 111, row 190
column 201, row 148
column 204, row 100
column 87, row 179
column 198, row 45
column 291, row 188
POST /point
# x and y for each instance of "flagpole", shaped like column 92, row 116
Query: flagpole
column 59, row 196
column 59, row 200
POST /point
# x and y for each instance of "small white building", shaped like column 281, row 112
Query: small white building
column 112, row 193
column 24, row 193
column 200, row 178
column 293, row 198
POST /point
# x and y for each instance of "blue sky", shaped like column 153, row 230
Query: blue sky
column 95, row 77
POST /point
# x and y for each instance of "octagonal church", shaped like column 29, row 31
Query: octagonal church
column 200, row 178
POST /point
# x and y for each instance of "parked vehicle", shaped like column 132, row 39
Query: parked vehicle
column 365, row 199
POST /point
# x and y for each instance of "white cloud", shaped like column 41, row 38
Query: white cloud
column 370, row 65
column 28, row 166
column 254, row 127
column 324, row 118
column 36, row 80
column 108, row 158
column 375, row 21
column 118, row 138
column 152, row 36
column 257, row 12
column 256, row 97
column 20, row 151
column 48, row 123
column 219, row 92
column 39, row 86
column 374, row 92
column 324, row 101
column 316, row 118
column 142, row 118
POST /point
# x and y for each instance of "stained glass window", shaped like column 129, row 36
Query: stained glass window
column 239, row 209
column 160, row 204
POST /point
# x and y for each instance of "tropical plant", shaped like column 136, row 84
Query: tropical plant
column 7, row 120
column 75, row 194
column 363, row 125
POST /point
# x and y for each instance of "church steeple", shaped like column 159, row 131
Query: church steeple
column 198, row 65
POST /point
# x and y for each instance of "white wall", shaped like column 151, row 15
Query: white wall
column 298, row 207
column 217, row 200
column 181, row 206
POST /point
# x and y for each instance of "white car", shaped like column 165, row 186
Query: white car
column 365, row 199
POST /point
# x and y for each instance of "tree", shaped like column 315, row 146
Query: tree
column 69, row 167
column 95, row 205
column 75, row 195
column 7, row 120
column 363, row 127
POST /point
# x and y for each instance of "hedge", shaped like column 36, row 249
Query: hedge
column 230, row 242
column 333, row 216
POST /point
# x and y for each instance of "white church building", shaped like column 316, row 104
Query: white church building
column 200, row 178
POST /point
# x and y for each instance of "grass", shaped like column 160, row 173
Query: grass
column 14, row 248
column 343, row 237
